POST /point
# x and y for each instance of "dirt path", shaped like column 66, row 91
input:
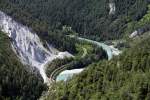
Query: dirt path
column 84, row 52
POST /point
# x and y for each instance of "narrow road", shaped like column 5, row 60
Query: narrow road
column 84, row 52
column 110, row 52
column 52, row 78
column 104, row 46
column 55, row 71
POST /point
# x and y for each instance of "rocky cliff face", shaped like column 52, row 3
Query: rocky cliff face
column 28, row 46
column 112, row 8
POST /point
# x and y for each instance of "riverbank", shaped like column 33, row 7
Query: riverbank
column 110, row 49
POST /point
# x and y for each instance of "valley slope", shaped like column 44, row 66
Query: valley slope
column 17, row 80
column 125, row 77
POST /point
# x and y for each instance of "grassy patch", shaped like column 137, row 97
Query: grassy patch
column 80, row 49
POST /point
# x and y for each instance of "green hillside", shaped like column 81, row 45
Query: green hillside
column 90, row 18
column 125, row 77
column 16, row 82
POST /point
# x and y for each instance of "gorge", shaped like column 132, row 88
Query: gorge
column 28, row 45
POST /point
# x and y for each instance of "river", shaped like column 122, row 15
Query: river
column 111, row 51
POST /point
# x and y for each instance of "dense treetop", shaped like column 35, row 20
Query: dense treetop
column 16, row 82
column 90, row 18
column 123, row 78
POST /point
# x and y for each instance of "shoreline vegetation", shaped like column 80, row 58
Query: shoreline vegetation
column 17, row 80
column 94, row 53
column 118, row 23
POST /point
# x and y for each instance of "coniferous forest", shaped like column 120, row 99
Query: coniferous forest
column 89, row 18
column 124, row 77
column 15, row 80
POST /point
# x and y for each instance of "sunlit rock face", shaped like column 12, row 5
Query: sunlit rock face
column 112, row 8
column 135, row 33
column 28, row 46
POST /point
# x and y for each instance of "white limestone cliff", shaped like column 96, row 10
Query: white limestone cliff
column 28, row 46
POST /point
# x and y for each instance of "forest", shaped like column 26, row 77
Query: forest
column 89, row 18
column 16, row 82
column 94, row 55
column 125, row 77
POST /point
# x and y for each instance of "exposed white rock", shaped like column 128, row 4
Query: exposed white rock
column 112, row 8
column 115, row 51
column 28, row 45
column 135, row 33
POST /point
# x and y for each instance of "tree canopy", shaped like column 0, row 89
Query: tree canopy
column 16, row 81
column 125, row 77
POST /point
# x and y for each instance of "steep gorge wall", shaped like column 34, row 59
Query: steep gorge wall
column 28, row 46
